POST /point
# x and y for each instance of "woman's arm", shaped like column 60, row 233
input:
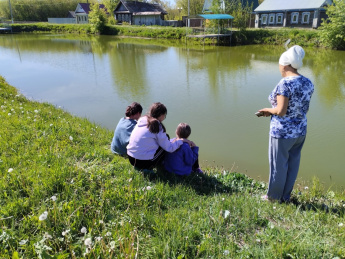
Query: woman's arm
column 280, row 109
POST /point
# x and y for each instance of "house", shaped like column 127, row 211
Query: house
column 139, row 13
column 291, row 13
column 82, row 12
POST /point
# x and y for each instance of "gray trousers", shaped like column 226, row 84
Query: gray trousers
column 284, row 158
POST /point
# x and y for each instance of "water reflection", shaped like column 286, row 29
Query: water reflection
column 329, row 71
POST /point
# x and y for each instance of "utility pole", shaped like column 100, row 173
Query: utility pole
column 9, row 1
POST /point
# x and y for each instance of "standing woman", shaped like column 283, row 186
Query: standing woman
column 288, row 128
column 124, row 129
column 149, row 141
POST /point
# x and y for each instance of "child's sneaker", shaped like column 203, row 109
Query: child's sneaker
column 198, row 171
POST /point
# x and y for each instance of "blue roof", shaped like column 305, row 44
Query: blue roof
column 216, row 16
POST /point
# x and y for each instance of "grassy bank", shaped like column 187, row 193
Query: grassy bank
column 303, row 37
column 64, row 195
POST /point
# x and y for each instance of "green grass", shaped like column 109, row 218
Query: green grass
column 54, row 162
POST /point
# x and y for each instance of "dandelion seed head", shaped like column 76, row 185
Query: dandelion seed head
column 108, row 234
column 148, row 188
column 23, row 242
column 88, row 241
column 9, row 114
column 226, row 252
column 306, row 188
column 64, row 233
column 70, row 138
column 340, row 224
column 10, row 170
column 36, row 111
column 83, row 230
column 53, row 198
column 112, row 244
column 47, row 236
column 43, row 216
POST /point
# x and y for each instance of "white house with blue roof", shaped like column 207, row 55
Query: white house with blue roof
column 291, row 13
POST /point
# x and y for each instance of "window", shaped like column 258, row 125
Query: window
column 305, row 17
column 294, row 18
column 271, row 19
column 279, row 18
column 264, row 19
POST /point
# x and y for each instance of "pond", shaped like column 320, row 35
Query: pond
column 215, row 89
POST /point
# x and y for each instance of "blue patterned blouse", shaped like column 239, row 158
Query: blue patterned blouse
column 298, row 89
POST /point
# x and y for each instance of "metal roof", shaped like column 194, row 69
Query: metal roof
column 273, row 5
column 216, row 16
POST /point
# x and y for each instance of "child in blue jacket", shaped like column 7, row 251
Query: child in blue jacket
column 185, row 159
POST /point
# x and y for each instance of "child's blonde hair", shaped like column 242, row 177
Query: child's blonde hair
column 183, row 130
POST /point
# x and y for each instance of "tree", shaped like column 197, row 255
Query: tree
column 36, row 10
column 240, row 12
column 332, row 29
column 195, row 6
column 97, row 18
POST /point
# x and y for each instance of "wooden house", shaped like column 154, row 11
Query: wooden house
column 82, row 12
column 139, row 13
column 291, row 13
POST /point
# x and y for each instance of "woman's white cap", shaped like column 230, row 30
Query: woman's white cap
column 293, row 56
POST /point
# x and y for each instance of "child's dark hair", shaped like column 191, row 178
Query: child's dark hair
column 133, row 109
column 183, row 130
column 156, row 110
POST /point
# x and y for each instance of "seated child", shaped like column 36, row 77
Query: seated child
column 185, row 159
column 124, row 129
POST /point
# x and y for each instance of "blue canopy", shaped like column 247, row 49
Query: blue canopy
column 216, row 16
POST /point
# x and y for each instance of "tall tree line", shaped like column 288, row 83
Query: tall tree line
column 37, row 10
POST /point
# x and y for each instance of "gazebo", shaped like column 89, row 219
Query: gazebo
column 202, row 33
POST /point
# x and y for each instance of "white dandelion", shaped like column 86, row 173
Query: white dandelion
column 47, row 236
column 83, row 230
column 10, row 170
column 64, row 233
column 53, row 198
column 23, row 242
column 43, row 216
column 88, row 241
column 306, row 188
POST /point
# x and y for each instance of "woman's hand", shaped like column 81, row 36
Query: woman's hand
column 266, row 112
column 190, row 143
column 280, row 110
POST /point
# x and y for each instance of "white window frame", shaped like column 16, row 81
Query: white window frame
column 293, row 15
column 305, row 14
column 277, row 18
column 264, row 21
column 271, row 18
